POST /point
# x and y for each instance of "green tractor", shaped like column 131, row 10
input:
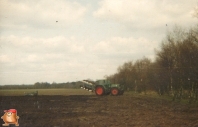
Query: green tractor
column 104, row 87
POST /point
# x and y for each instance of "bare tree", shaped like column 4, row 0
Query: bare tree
column 178, row 56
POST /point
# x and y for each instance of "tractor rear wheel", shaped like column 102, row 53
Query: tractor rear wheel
column 114, row 91
column 99, row 90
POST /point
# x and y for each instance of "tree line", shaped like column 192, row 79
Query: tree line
column 44, row 85
column 174, row 70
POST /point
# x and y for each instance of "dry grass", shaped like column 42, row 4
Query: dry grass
column 65, row 92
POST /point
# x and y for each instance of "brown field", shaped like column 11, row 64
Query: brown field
column 80, row 108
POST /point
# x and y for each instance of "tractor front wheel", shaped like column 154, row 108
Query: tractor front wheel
column 99, row 90
column 114, row 91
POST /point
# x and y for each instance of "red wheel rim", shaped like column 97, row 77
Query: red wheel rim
column 114, row 92
column 99, row 91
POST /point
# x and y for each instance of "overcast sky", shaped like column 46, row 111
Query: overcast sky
column 71, row 40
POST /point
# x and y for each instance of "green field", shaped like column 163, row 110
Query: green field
column 65, row 92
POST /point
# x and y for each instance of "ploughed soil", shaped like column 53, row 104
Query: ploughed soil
column 99, row 111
